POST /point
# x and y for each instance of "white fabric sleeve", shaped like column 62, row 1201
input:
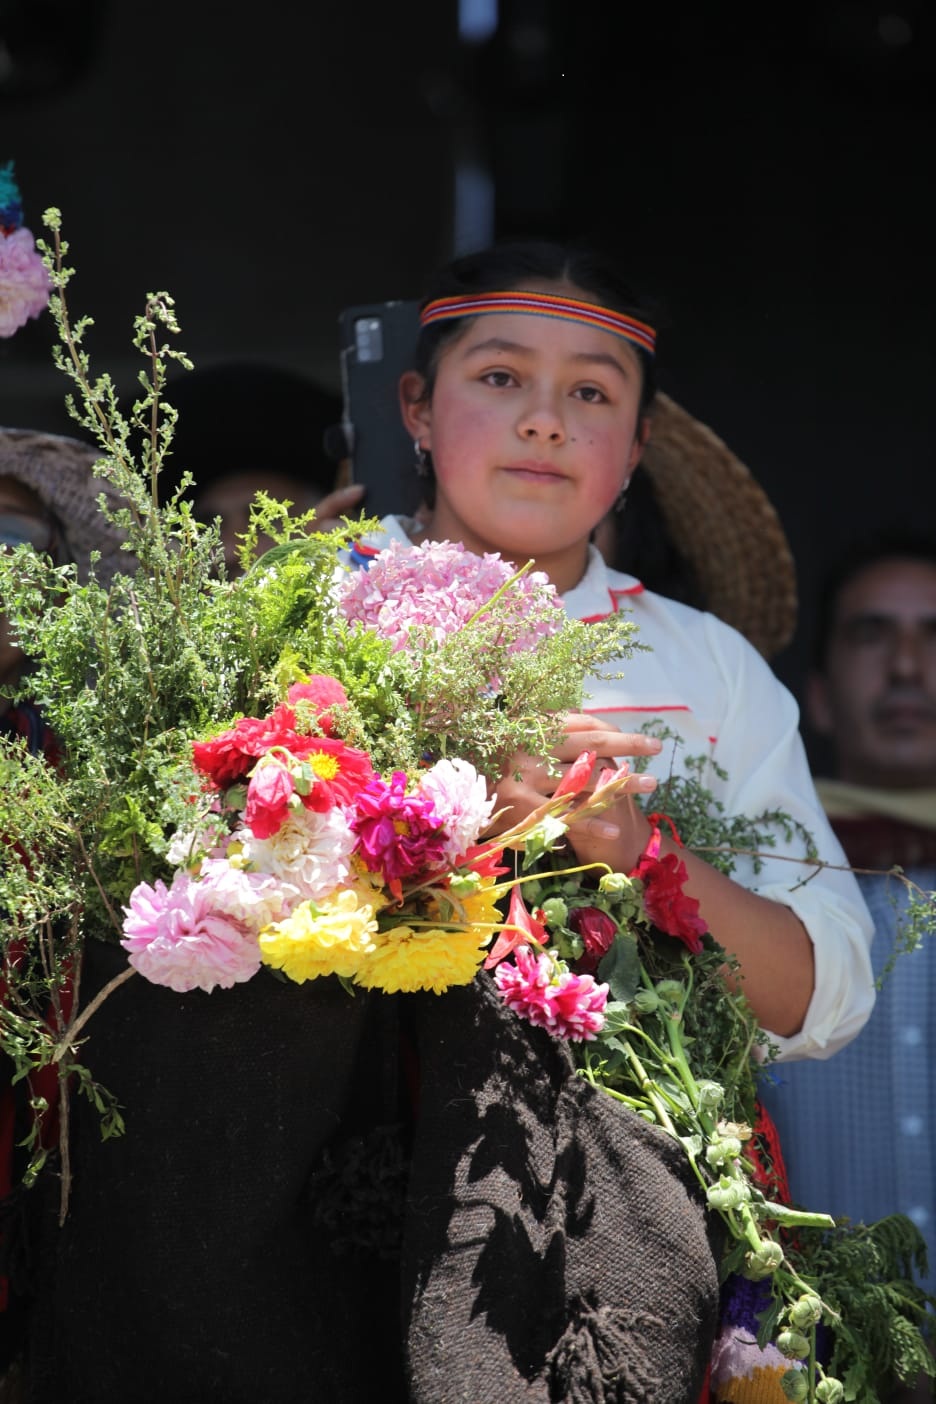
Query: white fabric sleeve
column 761, row 749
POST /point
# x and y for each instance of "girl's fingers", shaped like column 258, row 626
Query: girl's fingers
column 608, row 744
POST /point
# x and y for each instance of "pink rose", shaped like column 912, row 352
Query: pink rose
column 268, row 794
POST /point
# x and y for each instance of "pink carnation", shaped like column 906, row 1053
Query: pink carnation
column 24, row 283
column 460, row 799
column 195, row 934
column 569, row 1006
column 436, row 587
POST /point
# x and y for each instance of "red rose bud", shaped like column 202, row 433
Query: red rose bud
column 597, row 931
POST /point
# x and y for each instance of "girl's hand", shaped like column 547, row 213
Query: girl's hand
column 612, row 836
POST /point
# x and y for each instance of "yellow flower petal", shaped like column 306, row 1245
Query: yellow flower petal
column 321, row 938
column 407, row 959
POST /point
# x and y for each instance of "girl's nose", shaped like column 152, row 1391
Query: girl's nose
column 541, row 422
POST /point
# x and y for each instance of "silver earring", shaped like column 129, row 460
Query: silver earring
column 620, row 502
column 422, row 460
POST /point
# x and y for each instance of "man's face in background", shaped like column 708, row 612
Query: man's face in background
column 876, row 697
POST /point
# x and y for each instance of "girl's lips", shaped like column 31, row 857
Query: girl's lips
column 530, row 467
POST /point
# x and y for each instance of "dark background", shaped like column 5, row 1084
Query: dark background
column 768, row 179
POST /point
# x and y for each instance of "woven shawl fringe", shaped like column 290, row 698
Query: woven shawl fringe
column 601, row 1358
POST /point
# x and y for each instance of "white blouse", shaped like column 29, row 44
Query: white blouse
column 708, row 684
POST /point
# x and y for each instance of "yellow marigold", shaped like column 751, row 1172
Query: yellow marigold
column 321, row 938
column 409, row 959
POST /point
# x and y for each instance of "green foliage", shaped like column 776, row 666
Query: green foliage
column 705, row 827
column 873, row 1310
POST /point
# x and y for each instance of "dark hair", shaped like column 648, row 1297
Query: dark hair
column 644, row 548
column 895, row 544
column 508, row 265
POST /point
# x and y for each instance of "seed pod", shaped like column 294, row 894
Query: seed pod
column 806, row 1312
column 793, row 1344
column 795, row 1385
column 765, row 1261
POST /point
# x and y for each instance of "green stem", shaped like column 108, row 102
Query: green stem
column 648, row 1088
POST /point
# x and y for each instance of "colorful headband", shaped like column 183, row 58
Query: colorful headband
column 568, row 309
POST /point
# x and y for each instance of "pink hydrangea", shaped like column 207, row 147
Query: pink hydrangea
column 198, row 933
column 460, row 799
column 569, row 1006
column 436, row 587
column 24, row 283
column 398, row 834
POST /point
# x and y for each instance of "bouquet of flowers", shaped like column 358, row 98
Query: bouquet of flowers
column 294, row 769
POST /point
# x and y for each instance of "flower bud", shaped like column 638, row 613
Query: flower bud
column 795, row 1384
column 613, row 884
column 465, row 884
column 793, row 1344
column 727, row 1194
column 556, row 912
column 646, row 1001
column 596, row 928
column 830, row 1391
column 806, row 1312
column 765, row 1261
column 718, row 1152
column 671, row 991
column 711, row 1095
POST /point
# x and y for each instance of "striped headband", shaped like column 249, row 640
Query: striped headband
column 568, row 309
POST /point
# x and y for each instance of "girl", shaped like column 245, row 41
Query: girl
column 530, row 407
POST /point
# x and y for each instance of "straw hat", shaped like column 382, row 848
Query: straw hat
column 59, row 471
column 722, row 522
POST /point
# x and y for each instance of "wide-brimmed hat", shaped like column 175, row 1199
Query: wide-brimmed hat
column 59, row 470
column 722, row 522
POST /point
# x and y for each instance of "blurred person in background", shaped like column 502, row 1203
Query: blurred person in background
column 859, row 1132
column 246, row 427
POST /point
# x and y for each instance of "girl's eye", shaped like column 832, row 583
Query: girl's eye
column 591, row 395
column 500, row 379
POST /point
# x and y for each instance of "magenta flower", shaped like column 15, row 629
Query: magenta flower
column 436, row 587
column 195, row 934
column 569, row 1006
column 398, row 834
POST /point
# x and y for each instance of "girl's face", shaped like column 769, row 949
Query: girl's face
column 534, row 428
